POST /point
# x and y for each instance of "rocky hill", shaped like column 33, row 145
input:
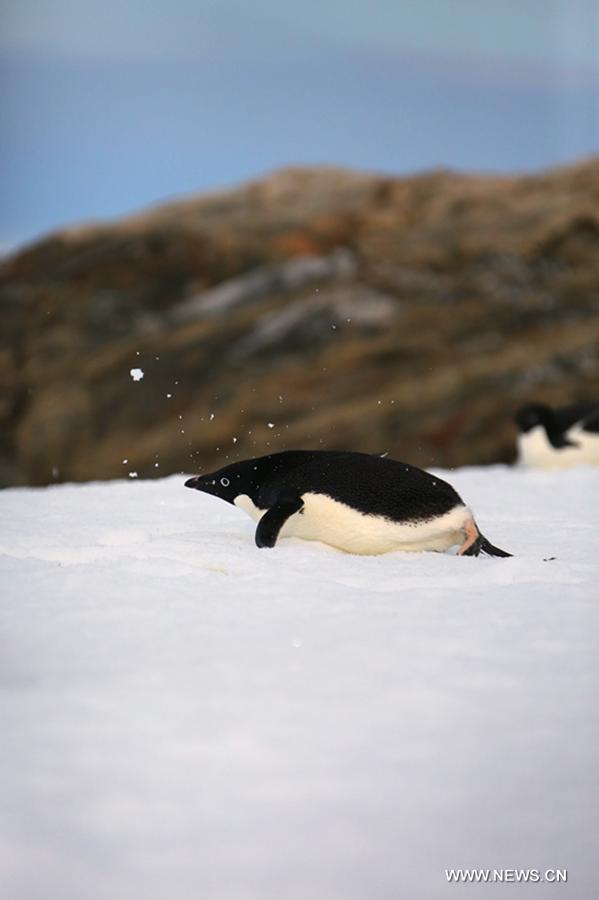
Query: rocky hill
column 311, row 308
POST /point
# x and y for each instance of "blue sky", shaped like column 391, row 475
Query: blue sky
column 109, row 106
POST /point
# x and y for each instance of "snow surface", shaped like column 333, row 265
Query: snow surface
column 186, row 716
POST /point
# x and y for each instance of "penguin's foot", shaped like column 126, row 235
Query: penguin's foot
column 476, row 543
column 472, row 535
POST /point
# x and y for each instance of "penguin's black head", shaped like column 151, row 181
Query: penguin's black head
column 229, row 482
column 532, row 415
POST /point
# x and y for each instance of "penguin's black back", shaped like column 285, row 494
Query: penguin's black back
column 369, row 483
column 558, row 421
column 585, row 414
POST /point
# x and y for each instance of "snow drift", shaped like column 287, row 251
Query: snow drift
column 186, row 716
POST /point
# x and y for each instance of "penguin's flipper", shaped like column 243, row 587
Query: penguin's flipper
column 273, row 520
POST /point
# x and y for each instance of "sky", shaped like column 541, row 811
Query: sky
column 110, row 106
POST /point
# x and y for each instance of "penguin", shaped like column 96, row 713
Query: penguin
column 356, row 502
column 558, row 438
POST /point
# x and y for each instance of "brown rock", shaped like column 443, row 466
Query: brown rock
column 342, row 309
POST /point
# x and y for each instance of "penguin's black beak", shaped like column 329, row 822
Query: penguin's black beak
column 204, row 483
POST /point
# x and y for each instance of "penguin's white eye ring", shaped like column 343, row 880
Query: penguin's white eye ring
column 225, row 482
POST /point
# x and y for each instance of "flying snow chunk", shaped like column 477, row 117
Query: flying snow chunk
column 136, row 374
column 271, row 424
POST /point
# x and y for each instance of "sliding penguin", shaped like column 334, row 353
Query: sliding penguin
column 558, row 438
column 353, row 501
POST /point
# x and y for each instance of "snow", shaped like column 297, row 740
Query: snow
column 186, row 716
column 136, row 374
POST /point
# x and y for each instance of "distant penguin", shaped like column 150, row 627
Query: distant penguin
column 353, row 501
column 558, row 438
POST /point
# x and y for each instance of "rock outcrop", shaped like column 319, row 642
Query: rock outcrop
column 312, row 308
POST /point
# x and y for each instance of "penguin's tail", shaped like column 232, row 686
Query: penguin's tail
column 482, row 545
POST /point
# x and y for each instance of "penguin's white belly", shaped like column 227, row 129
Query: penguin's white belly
column 327, row 520
column 536, row 451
